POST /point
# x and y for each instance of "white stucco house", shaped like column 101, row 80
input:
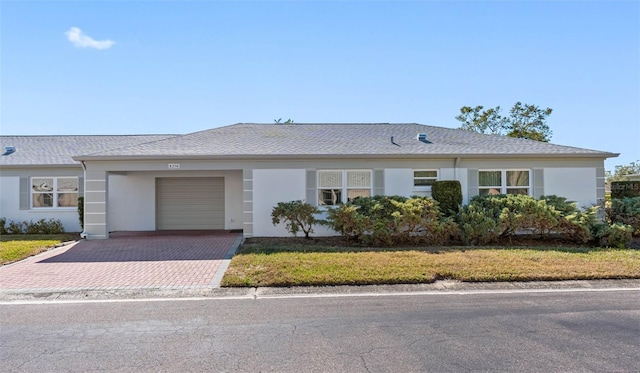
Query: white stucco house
column 231, row 177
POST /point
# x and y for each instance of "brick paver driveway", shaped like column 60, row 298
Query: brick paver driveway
column 159, row 260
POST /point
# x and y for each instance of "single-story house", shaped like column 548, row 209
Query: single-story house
column 632, row 177
column 231, row 177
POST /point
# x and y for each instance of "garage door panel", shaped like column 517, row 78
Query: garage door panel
column 189, row 203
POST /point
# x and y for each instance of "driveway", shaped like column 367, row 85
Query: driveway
column 155, row 260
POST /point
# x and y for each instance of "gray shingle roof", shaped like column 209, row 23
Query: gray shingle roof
column 58, row 150
column 332, row 139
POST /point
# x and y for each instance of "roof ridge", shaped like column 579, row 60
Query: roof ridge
column 142, row 143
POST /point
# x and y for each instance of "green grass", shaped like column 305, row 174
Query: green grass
column 297, row 265
column 18, row 247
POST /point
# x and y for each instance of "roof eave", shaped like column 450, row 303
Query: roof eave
column 338, row 156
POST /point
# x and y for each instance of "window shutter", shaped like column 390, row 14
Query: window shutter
column 24, row 193
column 378, row 182
column 312, row 194
column 538, row 183
column 472, row 180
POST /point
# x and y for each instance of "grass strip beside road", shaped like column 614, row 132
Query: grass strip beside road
column 17, row 247
column 317, row 266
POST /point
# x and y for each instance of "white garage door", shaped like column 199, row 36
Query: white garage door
column 189, row 203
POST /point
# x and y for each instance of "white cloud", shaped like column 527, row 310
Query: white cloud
column 80, row 40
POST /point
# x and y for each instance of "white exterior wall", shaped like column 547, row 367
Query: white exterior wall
column 10, row 207
column 132, row 202
column 576, row 184
column 132, row 199
column 398, row 182
column 269, row 188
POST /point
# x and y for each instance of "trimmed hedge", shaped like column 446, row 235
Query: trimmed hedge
column 42, row 226
column 448, row 193
column 622, row 189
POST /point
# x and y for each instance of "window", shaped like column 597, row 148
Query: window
column 338, row 186
column 52, row 192
column 504, row 182
column 423, row 179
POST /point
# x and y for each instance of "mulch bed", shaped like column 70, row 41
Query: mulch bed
column 516, row 241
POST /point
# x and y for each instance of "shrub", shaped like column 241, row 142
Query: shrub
column 614, row 235
column 477, row 226
column 297, row 215
column 560, row 204
column 392, row 220
column 3, row 225
column 42, row 226
column 514, row 213
column 579, row 225
column 621, row 189
column 625, row 211
column 348, row 221
column 81, row 211
column 448, row 193
column 15, row 227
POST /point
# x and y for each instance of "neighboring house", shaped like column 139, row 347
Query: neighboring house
column 231, row 177
column 40, row 180
column 632, row 177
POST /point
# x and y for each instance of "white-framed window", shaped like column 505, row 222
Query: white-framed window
column 54, row 192
column 423, row 179
column 340, row 186
column 504, row 182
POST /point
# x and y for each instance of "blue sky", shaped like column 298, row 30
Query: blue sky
column 131, row 67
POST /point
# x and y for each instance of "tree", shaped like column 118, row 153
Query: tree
column 297, row 216
column 524, row 121
column 279, row 121
column 482, row 121
column 621, row 170
column 529, row 122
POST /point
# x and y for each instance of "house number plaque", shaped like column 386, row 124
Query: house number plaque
column 174, row 166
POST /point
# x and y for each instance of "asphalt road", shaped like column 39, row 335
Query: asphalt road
column 525, row 332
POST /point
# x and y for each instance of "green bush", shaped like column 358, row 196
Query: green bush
column 515, row 213
column 81, row 211
column 43, row 226
column 15, row 227
column 625, row 211
column 297, row 215
column 392, row 220
column 578, row 226
column 614, row 235
column 622, row 189
column 560, row 204
column 448, row 193
column 477, row 226
column 3, row 225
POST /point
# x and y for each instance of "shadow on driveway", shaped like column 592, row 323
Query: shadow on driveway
column 150, row 247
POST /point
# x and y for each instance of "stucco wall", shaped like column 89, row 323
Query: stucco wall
column 576, row 184
column 269, row 188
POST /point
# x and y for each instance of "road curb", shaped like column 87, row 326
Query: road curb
column 439, row 287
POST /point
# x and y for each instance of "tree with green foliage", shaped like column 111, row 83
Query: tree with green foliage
column 524, row 121
column 297, row 216
column 621, row 170
column 279, row 121
column 482, row 121
column 529, row 122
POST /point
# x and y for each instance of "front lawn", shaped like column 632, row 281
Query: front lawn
column 19, row 246
column 296, row 264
